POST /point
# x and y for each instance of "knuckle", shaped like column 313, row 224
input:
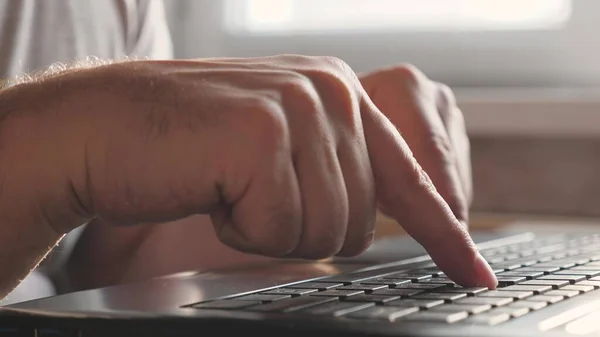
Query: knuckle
column 269, row 122
column 440, row 147
column 446, row 98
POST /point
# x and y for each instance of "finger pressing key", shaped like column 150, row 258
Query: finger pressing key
column 406, row 191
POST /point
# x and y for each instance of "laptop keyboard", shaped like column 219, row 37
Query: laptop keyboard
column 532, row 275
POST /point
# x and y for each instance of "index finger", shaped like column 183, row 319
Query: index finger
column 407, row 193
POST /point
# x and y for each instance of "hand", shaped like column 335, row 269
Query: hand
column 287, row 154
column 432, row 125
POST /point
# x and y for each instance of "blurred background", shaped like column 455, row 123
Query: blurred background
column 526, row 74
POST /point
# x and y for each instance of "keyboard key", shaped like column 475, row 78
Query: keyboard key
column 362, row 287
column 586, row 267
column 337, row 293
column 336, row 308
column 546, row 298
column 412, row 302
column 536, row 289
column 595, row 284
column 315, row 285
column 531, row 305
column 508, row 265
column 586, row 273
column 563, row 293
column 448, row 297
column 397, row 292
column 509, row 280
column 578, row 287
column 424, row 286
column 288, row 291
column 557, row 263
column 383, row 313
column 260, row 298
column 469, row 291
column 371, row 298
column 517, row 295
column 412, row 277
column 546, row 270
column 512, row 311
column 349, row 278
column 444, row 317
column 493, row 301
column 487, row 319
column 439, row 280
column 225, row 305
column 527, row 274
column 555, row 284
column 570, row 278
column 292, row 304
column 387, row 282
column 469, row 308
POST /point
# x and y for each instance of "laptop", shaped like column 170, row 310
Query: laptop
column 549, row 276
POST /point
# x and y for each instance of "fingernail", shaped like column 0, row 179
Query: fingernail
column 486, row 275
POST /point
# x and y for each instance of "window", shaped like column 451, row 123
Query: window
column 293, row 16
column 517, row 65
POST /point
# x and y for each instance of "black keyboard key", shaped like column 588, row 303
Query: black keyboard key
column 397, row 292
column 508, row 265
column 412, row 277
column 337, row 293
column 512, row 311
column 555, row 284
column 563, row 293
column 372, row 298
column 315, row 285
column 531, row 305
column 586, row 273
column 487, row 319
column 517, row 295
column 534, row 268
column 383, row 313
column 595, row 284
column 260, row 298
column 536, row 289
column 363, row 287
column 442, row 317
column 571, row 278
column 530, row 275
column 292, row 304
column 289, row 291
column 423, row 286
column 411, row 302
column 349, row 278
column 387, row 282
column 225, row 305
column 468, row 308
column 578, row 287
column 493, row 301
column 469, row 291
column 440, row 280
column 448, row 297
column 550, row 299
column 509, row 280
column 336, row 308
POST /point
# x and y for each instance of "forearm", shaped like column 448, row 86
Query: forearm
column 34, row 184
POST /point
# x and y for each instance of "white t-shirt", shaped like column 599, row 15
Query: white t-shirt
column 35, row 34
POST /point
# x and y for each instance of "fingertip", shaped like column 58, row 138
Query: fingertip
column 485, row 274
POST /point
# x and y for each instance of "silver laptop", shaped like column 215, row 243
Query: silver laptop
column 549, row 286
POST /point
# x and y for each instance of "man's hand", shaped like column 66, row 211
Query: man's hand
column 432, row 125
column 288, row 154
